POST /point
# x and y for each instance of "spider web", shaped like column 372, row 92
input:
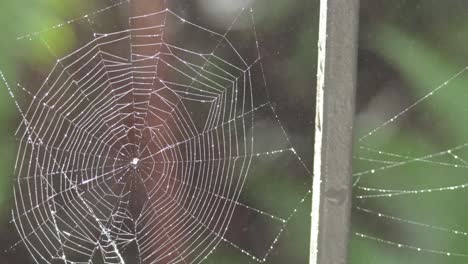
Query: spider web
column 138, row 146
column 391, row 182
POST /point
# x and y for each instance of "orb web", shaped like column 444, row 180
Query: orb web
column 137, row 146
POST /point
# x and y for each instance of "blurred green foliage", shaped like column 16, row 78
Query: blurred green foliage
column 424, row 43
column 18, row 18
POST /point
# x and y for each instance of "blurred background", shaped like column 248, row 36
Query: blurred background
column 410, row 50
column 406, row 50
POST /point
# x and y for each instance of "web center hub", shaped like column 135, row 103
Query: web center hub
column 134, row 162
